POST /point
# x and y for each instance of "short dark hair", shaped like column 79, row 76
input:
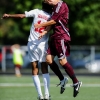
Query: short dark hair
column 46, row 7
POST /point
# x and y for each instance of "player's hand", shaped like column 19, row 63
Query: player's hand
column 5, row 16
column 36, row 25
column 42, row 34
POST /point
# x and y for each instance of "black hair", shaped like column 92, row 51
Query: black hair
column 46, row 7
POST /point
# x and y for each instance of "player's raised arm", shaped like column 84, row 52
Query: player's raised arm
column 48, row 23
column 13, row 16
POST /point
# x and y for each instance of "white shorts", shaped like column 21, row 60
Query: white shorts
column 37, row 52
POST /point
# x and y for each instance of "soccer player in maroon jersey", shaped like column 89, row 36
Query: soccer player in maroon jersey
column 60, row 43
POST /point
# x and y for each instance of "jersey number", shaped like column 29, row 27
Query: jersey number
column 39, row 30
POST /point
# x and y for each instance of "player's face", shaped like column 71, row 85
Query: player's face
column 52, row 2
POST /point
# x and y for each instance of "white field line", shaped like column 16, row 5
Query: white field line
column 31, row 84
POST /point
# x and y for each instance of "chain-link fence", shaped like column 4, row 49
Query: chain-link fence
column 84, row 59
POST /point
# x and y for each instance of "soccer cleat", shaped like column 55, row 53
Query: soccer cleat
column 63, row 84
column 46, row 97
column 41, row 98
column 76, row 87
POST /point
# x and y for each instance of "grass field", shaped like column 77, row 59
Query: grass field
column 22, row 88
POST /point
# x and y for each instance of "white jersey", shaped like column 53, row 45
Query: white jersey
column 39, row 16
column 37, row 48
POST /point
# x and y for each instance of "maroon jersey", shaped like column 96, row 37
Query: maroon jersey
column 61, row 15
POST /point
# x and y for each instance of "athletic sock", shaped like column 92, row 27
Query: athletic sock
column 46, row 79
column 37, row 84
column 56, row 70
column 69, row 70
column 17, row 71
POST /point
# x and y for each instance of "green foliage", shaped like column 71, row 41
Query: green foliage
column 84, row 21
column 16, row 30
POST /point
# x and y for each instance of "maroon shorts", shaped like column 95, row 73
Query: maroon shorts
column 59, row 47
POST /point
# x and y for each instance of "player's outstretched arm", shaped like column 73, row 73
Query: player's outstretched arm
column 48, row 23
column 13, row 16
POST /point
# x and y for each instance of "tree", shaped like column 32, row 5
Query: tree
column 84, row 21
column 16, row 30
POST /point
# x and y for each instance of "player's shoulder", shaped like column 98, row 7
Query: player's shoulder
column 64, row 5
column 37, row 10
column 61, row 4
column 33, row 10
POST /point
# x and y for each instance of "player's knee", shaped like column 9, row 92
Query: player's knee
column 49, row 61
column 35, row 71
column 62, row 61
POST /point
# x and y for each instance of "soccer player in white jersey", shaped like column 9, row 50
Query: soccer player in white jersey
column 37, row 48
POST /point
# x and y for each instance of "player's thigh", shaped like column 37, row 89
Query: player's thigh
column 66, row 45
column 42, row 53
column 32, row 52
column 63, row 61
column 62, row 48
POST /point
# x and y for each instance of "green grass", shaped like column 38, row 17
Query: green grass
column 22, row 88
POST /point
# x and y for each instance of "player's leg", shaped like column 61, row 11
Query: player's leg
column 46, row 80
column 50, row 60
column 34, row 57
column 44, row 69
column 68, row 68
column 55, row 68
column 17, row 70
column 42, row 47
column 36, row 80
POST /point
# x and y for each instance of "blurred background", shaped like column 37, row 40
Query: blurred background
column 84, row 25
